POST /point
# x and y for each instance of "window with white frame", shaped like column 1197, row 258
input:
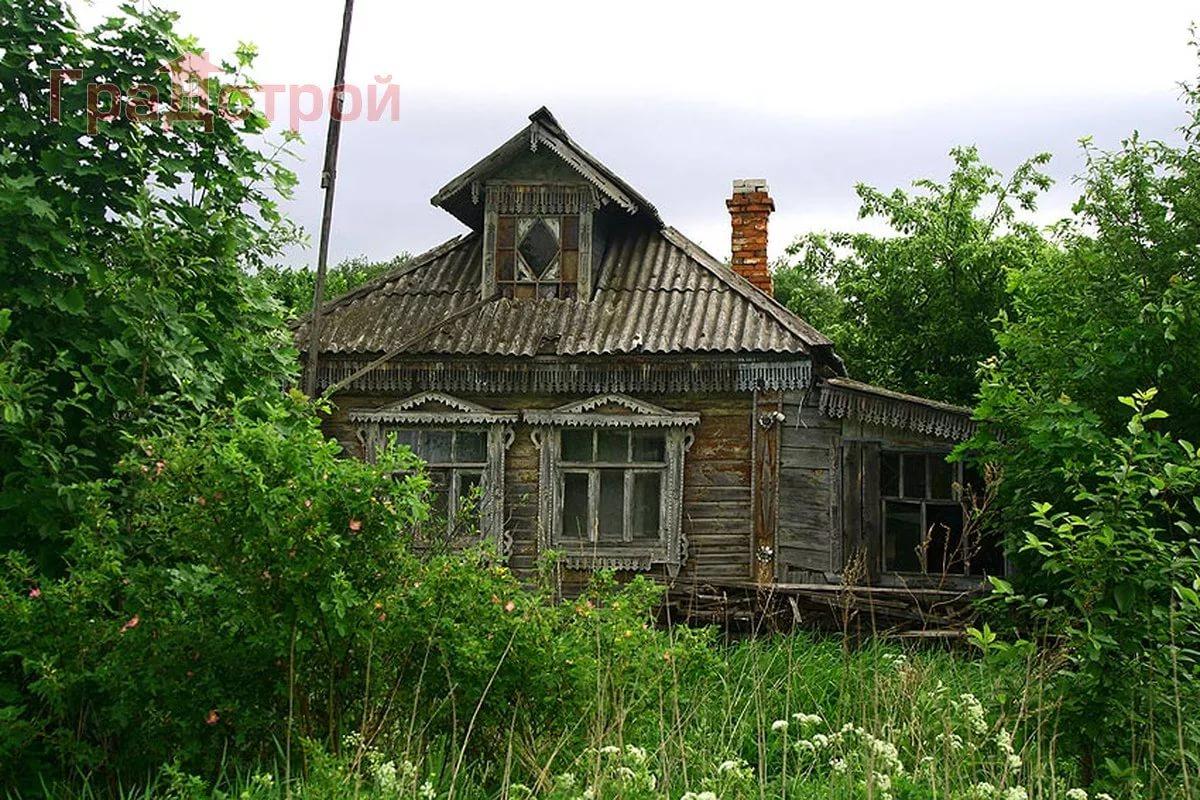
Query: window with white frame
column 612, row 482
column 925, row 528
column 463, row 445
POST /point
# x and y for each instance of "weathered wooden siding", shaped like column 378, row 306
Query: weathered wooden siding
column 717, row 512
column 809, row 497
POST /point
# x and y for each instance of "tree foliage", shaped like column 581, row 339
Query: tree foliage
column 123, row 258
column 912, row 310
column 293, row 288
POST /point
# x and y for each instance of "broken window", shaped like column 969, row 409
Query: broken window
column 456, row 462
column 924, row 523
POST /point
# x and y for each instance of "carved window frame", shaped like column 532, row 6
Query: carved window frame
column 628, row 413
column 373, row 428
column 528, row 199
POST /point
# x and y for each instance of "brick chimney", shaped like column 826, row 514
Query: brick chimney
column 749, row 208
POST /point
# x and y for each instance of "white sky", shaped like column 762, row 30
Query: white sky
column 679, row 98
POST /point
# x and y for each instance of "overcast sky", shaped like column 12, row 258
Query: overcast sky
column 680, row 98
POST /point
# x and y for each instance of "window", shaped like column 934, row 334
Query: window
column 464, row 445
column 923, row 518
column 537, row 239
column 537, row 256
column 611, row 484
column 456, row 461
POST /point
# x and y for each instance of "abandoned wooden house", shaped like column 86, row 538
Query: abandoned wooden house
column 614, row 393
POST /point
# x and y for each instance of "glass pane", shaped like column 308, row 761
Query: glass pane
column 406, row 436
column 987, row 553
column 524, row 291
column 612, row 446
column 576, row 445
column 575, row 505
column 941, row 478
column 889, row 483
column 547, row 291
column 902, row 536
column 914, row 475
column 612, row 505
column 539, row 245
column 436, row 446
column 944, row 532
column 646, row 495
column 649, row 446
column 470, row 499
column 470, row 446
column 439, row 480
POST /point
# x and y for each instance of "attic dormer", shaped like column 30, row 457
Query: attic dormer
column 538, row 201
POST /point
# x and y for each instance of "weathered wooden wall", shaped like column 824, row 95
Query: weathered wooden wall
column 809, row 497
column 717, row 508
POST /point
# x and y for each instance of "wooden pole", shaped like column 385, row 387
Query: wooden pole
column 328, row 179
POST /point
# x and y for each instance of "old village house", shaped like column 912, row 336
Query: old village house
column 616, row 394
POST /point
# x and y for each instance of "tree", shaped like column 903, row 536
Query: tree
column 912, row 311
column 293, row 288
column 124, row 253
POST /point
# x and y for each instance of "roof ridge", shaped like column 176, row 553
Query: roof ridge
column 784, row 316
column 378, row 283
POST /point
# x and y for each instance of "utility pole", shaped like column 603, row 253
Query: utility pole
column 328, row 179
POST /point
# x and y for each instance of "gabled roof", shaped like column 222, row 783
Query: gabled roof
column 656, row 292
column 459, row 196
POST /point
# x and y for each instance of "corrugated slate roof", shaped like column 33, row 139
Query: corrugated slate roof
column 655, row 292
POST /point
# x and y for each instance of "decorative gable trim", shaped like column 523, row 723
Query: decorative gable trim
column 460, row 412
column 583, row 414
column 842, row 398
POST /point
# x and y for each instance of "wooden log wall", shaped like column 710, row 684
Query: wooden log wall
column 717, row 501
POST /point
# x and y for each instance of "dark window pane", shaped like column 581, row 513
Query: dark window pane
column 439, row 480
column 406, row 436
column 524, row 291
column 941, row 478
column 612, row 446
column 470, row 446
column 507, row 291
column 973, row 481
column 649, row 446
column 436, row 446
column 548, row 291
column 612, row 505
column 902, row 536
column 539, row 246
column 987, row 553
column 575, row 505
column 570, row 233
column 576, row 445
column 914, row 475
column 890, row 478
column 506, row 231
column 944, row 528
column 504, row 265
column 646, row 496
column 569, row 292
column 470, row 499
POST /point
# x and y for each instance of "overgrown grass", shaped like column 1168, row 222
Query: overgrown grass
column 791, row 716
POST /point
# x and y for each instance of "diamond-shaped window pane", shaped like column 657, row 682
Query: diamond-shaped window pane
column 539, row 247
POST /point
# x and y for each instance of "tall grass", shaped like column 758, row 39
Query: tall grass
column 782, row 717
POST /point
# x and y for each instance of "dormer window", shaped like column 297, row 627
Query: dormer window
column 537, row 241
column 537, row 256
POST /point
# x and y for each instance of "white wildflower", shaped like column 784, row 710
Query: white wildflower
column 635, row 753
column 610, row 749
column 807, row 719
column 837, row 764
column 1016, row 793
column 983, row 790
column 1077, row 794
column 1104, row 796
column 820, row 741
column 728, row 765
column 779, row 726
column 972, row 711
column 566, row 780
column 426, row 791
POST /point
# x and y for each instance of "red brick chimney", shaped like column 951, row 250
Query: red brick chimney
column 749, row 207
